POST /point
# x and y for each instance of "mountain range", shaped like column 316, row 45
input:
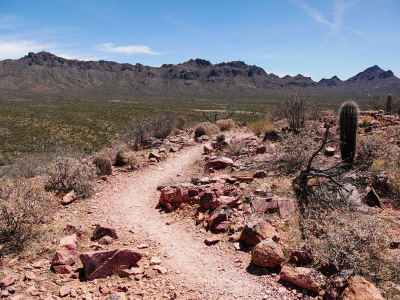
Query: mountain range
column 45, row 73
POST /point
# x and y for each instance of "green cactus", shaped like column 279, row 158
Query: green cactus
column 389, row 102
column 348, row 123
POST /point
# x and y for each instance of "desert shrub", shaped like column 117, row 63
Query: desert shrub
column 294, row 152
column 69, row 174
column 262, row 126
column 206, row 128
column 293, row 108
column 199, row 131
column 120, row 158
column 225, row 125
column 24, row 205
column 103, row 165
column 220, row 138
column 159, row 127
column 131, row 159
column 181, row 122
column 373, row 148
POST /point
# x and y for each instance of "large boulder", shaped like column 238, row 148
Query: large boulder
column 66, row 252
column 219, row 163
column 104, row 263
column 267, row 254
column 258, row 230
column 306, row 278
column 360, row 289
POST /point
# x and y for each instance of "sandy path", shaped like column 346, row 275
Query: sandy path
column 130, row 202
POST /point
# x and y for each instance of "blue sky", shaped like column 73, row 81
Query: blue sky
column 317, row 38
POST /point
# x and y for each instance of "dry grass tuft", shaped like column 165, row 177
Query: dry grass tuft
column 103, row 165
column 226, row 124
column 262, row 126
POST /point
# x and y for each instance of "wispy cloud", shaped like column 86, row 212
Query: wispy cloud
column 109, row 47
column 336, row 27
column 17, row 49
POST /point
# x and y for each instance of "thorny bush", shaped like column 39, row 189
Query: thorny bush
column 24, row 205
column 67, row 174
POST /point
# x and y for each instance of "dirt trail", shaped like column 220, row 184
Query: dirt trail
column 130, row 203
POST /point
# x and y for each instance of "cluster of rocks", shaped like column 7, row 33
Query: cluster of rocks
column 93, row 265
column 219, row 198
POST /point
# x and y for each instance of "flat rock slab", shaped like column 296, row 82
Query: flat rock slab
column 306, row 278
column 104, row 263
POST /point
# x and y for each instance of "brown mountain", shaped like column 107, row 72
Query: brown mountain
column 46, row 73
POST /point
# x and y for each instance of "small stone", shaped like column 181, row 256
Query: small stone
column 64, row 291
column 155, row 261
column 150, row 273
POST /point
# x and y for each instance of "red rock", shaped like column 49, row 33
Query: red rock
column 267, row 254
column 64, row 291
column 150, row 273
column 329, row 268
column 212, row 240
column 155, row 156
column 371, row 198
column 261, row 149
column 360, row 289
column 104, row 263
column 329, row 151
column 7, row 281
column 106, row 240
column 103, row 230
column 62, row 269
column 306, row 278
column 66, row 252
column 227, row 200
column 221, row 213
column 258, row 230
column 208, row 148
column 274, row 204
column 244, row 178
column 126, row 273
column 336, row 285
column 222, row 226
column 219, row 163
column 173, row 196
column 302, row 256
column 69, row 198
column 208, row 198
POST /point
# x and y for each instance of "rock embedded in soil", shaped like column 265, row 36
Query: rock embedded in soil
column 267, row 254
column 102, row 230
column 336, row 284
column 104, row 263
column 7, row 281
column 69, row 198
column 258, row 230
column 306, row 278
column 66, row 252
column 360, row 289
column 219, row 163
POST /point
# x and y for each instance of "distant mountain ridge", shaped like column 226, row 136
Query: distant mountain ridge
column 46, row 73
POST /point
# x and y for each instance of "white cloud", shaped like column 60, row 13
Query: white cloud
column 17, row 49
column 336, row 26
column 109, row 47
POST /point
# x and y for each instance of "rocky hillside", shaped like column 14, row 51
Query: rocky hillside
column 46, row 73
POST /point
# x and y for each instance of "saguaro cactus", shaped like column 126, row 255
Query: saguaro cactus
column 348, row 123
column 389, row 103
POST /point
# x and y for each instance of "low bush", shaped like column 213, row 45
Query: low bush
column 295, row 151
column 220, row 138
column 262, row 126
column 225, row 125
column 67, row 174
column 199, row 131
column 103, row 165
column 24, row 205
column 206, row 128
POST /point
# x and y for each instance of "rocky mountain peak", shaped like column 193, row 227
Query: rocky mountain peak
column 372, row 73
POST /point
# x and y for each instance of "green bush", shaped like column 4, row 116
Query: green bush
column 24, row 205
column 69, row 174
column 103, row 165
